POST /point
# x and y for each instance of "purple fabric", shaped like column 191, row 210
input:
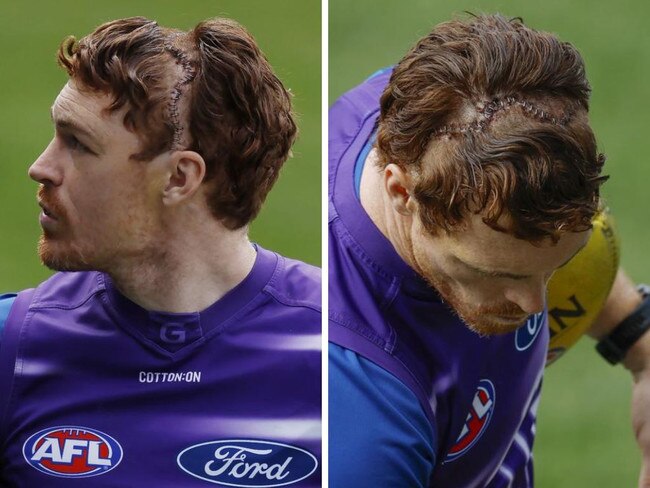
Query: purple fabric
column 381, row 309
column 246, row 370
column 8, row 363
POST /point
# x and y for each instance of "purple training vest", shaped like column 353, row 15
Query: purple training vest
column 478, row 393
column 97, row 388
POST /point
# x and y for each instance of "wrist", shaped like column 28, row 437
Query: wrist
column 629, row 341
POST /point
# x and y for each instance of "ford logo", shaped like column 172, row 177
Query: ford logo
column 527, row 333
column 247, row 463
column 72, row 452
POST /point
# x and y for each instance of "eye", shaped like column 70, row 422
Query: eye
column 75, row 144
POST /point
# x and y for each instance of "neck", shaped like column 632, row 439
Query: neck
column 375, row 202
column 189, row 271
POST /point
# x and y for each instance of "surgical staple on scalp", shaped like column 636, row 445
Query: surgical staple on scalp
column 488, row 110
column 188, row 75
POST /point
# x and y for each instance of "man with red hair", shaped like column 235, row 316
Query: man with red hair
column 170, row 351
column 461, row 179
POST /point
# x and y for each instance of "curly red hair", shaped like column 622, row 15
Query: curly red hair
column 238, row 112
column 490, row 117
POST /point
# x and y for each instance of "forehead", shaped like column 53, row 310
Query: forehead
column 478, row 243
column 76, row 106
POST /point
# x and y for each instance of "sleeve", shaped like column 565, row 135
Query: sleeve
column 6, row 301
column 379, row 435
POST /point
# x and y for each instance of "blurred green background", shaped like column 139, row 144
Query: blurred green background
column 584, row 434
column 288, row 31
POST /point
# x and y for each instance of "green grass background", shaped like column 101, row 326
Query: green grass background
column 288, row 31
column 584, row 434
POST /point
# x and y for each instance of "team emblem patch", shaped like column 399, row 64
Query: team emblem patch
column 247, row 463
column 72, row 452
column 476, row 421
column 527, row 333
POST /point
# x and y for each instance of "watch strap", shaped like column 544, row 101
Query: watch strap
column 614, row 347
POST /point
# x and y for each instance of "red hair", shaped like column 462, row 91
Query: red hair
column 237, row 111
column 490, row 117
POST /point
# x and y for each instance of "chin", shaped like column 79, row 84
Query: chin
column 59, row 256
column 484, row 320
column 491, row 328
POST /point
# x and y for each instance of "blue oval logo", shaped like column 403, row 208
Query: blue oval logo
column 247, row 463
column 527, row 333
column 72, row 452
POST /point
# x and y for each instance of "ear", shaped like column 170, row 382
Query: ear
column 397, row 184
column 186, row 173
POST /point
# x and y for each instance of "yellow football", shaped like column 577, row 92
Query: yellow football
column 578, row 290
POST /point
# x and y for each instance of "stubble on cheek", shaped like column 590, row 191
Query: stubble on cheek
column 58, row 248
column 475, row 316
column 58, row 255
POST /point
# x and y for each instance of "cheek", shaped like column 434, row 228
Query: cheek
column 98, row 210
column 476, row 289
column 466, row 286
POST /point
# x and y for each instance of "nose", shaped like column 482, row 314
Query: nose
column 530, row 297
column 47, row 169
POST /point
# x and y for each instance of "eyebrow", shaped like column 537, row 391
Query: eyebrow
column 504, row 274
column 68, row 124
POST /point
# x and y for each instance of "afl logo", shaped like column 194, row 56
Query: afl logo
column 527, row 333
column 476, row 421
column 247, row 463
column 72, row 452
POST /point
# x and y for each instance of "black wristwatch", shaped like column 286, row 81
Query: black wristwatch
column 614, row 347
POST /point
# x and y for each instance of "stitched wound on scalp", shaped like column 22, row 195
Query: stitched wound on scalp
column 175, row 95
column 486, row 112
